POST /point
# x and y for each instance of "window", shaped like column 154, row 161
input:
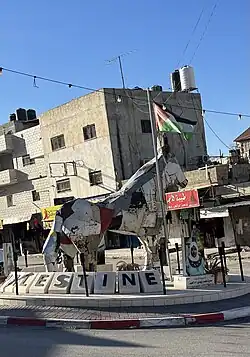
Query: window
column 57, row 142
column 63, row 185
column 9, row 200
column 35, row 195
column 27, row 160
column 146, row 126
column 89, row 132
column 62, row 200
column 95, row 178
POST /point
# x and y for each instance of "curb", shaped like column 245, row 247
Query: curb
column 226, row 315
column 174, row 321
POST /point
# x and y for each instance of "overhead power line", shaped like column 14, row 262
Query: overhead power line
column 72, row 85
column 192, row 34
column 217, row 136
column 205, row 30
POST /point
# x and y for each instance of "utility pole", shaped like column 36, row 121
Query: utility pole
column 159, row 182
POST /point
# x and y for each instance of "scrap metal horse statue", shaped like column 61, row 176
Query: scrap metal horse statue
column 80, row 225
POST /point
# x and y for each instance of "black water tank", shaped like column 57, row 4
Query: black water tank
column 31, row 114
column 21, row 114
column 176, row 81
column 156, row 88
column 12, row 117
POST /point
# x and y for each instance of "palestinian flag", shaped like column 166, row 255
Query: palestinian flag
column 168, row 122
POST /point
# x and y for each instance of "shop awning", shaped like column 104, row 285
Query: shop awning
column 221, row 211
column 214, row 212
column 17, row 219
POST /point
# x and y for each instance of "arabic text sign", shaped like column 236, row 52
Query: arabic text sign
column 182, row 199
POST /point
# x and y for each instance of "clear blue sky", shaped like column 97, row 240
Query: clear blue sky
column 70, row 41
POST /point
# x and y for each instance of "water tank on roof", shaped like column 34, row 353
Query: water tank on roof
column 156, row 88
column 31, row 114
column 21, row 114
column 12, row 117
column 175, row 81
column 187, row 79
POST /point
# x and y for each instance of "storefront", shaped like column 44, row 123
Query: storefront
column 27, row 231
column 229, row 223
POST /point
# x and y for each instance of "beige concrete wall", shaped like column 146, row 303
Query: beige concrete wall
column 241, row 172
column 213, row 175
column 95, row 154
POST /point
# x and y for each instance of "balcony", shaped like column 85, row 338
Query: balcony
column 9, row 177
column 6, row 143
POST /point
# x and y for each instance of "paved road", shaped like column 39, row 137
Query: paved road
column 219, row 341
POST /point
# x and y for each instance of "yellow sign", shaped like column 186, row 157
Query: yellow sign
column 47, row 224
column 49, row 213
column 1, row 224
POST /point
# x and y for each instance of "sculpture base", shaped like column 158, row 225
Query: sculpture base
column 193, row 282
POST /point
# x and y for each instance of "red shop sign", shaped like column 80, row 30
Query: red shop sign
column 182, row 199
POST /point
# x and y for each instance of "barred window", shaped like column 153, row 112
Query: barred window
column 57, row 142
column 95, row 178
column 27, row 160
column 89, row 132
column 9, row 199
column 35, row 195
column 63, row 185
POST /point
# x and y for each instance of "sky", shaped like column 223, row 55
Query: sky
column 72, row 40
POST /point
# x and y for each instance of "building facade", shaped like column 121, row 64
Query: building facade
column 85, row 148
column 94, row 142
column 243, row 144
column 23, row 178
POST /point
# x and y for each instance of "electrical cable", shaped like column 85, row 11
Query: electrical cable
column 199, row 43
column 205, row 30
column 71, row 85
column 192, row 34
column 217, row 136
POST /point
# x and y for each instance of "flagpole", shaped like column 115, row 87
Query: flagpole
column 159, row 182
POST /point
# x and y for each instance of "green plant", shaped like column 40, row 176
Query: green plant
column 213, row 266
column 123, row 266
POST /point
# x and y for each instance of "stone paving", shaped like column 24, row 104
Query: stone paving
column 123, row 312
column 132, row 312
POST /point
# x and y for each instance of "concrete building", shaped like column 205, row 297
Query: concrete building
column 94, row 142
column 243, row 144
column 84, row 148
column 23, row 176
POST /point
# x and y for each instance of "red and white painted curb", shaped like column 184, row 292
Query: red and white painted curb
column 218, row 316
column 174, row 321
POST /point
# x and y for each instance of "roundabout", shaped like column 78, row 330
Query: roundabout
column 37, row 296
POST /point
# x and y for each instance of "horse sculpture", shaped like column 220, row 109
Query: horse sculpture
column 80, row 225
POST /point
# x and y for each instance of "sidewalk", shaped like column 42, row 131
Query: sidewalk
column 132, row 317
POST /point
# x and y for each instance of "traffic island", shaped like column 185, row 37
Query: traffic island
column 126, row 289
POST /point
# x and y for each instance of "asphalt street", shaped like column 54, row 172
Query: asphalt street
column 221, row 340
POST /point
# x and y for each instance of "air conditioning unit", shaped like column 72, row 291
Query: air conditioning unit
column 205, row 158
